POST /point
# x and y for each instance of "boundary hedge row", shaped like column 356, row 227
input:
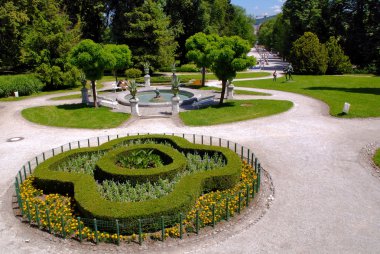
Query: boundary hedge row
column 84, row 190
column 25, row 85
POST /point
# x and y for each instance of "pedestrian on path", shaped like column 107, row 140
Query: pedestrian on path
column 275, row 75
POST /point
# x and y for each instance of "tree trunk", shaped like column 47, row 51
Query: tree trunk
column 94, row 93
column 203, row 75
column 224, row 82
column 115, row 74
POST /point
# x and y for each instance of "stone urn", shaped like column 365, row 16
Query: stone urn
column 134, row 102
column 175, row 105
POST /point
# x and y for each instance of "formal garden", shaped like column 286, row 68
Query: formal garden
column 135, row 188
column 101, row 70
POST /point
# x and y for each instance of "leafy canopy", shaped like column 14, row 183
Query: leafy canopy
column 92, row 59
column 308, row 55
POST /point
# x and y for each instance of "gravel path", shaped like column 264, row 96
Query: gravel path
column 327, row 196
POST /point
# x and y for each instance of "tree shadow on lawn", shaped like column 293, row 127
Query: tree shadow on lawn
column 75, row 106
column 366, row 90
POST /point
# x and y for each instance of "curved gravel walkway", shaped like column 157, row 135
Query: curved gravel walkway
column 327, row 200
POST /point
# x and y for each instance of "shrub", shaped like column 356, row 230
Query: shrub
column 338, row 62
column 133, row 73
column 308, row 56
column 181, row 199
column 183, row 68
column 24, row 84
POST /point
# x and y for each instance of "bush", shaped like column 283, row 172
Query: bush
column 25, row 85
column 308, row 56
column 133, row 73
column 338, row 62
column 107, row 168
column 184, row 68
column 181, row 199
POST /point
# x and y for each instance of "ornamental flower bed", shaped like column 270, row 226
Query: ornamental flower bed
column 59, row 214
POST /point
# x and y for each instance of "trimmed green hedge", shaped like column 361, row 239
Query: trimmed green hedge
column 181, row 199
column 24, row 84
column 106, row 167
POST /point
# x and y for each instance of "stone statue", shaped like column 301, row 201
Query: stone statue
column 157, row 93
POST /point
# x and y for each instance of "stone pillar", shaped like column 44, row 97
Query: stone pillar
column 134, row 107
column 84, row 95
column 147, row 80
column 230, row 92
column 175, row 105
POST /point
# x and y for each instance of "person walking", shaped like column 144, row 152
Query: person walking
column 275, row 75
column 290, row 70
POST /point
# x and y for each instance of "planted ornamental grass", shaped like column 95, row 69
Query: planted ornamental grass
column 232, row 111
column 75, row 116
column 362, row 92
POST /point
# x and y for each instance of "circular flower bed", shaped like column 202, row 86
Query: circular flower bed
column 212, row 185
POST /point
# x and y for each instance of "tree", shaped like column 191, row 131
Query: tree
column 227, row 56
column 338, row 62
column 188, row 17
column 149, row 36
column 122, row 55
column 241, row 25
column 308, row 56
column 265, row 35
column 197, row 50
column 13, row 21
column 46, row 43
column 91, row 15
column 92, row 59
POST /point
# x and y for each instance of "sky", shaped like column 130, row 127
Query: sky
column 260, row 7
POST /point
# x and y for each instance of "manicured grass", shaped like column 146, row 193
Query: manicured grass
column 217, row 89
column 233, row 111
column 376, row 158
column 67, row 97
column 75, row 116
column 362, row 92
column 74, row 96
column 211, row 76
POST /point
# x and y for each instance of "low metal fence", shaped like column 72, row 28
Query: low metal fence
column 216, row 213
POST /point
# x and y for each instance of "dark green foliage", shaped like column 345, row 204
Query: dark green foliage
column 46, row 44
column 149, row 35
column 308, row 56
column 133, row 73
column 183, row 68
column 24, row 84
column 139, row 159
column 338, row 62
column 241, row 25
column 181, row 199
column 12, row 20
column 266, row 33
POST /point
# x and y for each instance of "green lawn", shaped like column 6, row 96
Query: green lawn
column 233, row 111
column 241, row 92
column 211, row 76
column 75, row 116
column 67, row 97
column 376, row 158
column 362, row 92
